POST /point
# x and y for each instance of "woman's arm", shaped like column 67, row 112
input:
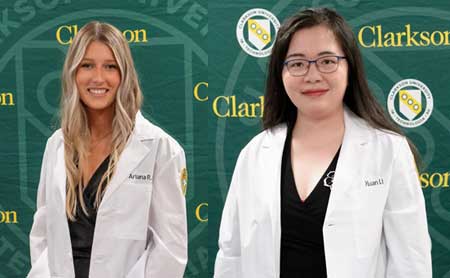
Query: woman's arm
column 405, row 222
column 168, row 253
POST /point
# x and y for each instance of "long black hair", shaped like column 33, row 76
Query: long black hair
column 278, row 108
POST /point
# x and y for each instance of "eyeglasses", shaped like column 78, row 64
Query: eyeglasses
column 300, row 67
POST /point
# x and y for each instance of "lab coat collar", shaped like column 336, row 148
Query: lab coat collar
column 143, row 130
column 356, row 135
column 134, row 152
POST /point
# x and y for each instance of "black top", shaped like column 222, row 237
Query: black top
column 82, row 229
column 302, row 251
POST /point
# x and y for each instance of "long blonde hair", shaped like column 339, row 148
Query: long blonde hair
column 74, row 121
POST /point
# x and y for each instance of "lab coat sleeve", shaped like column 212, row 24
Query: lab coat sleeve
column 228, row 260
column 405, row 222
column 38, row 234
column 167, row 252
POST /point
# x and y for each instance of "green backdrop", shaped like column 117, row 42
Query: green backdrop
column 171, row 44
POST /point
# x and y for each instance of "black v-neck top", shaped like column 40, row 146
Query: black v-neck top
column 82, row 229
column 302, row 249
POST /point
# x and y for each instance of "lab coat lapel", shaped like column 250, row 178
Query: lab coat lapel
column 132, row 155
column 356, row 137
column 272, row 156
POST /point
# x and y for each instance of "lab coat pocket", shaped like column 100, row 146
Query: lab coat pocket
column 133, row 203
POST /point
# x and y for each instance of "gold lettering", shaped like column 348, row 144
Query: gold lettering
column 400, row 36
column 424, row 180
column 243, row 110
column 379, row 36
column 216, row 109
column 409, row 37
column 237, row 109
column 128, row 38
column 65, row 34
column 197, row 212
column 261, row 101
column 425, row 38
column 253, row 107
column 6, row 217
column 432, row 183
column 257, row 105
column 4, row 101
column 133, row 36
column 446, row 179
column 361, row 39
column 408, row 34
column 140, row 35
column 435, row 180
column 389, row 39
column 67, row 28
column 441, row 38
column 196, row 95
column 373, row 36
column 233, row 107
column 446, row 37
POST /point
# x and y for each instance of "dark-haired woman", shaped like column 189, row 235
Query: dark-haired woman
column 330, row 187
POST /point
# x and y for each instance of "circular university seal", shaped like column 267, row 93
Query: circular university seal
column 256, row 31
column 410, row 103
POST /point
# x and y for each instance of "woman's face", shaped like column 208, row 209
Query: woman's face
column 316, row 94
column 98, row 78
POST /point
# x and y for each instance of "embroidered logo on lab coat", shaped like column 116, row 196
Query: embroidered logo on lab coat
column 328, row 180
column 184, row 178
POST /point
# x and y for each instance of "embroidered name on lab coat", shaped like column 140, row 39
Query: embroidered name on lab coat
column 136, row 177
column 376, row 182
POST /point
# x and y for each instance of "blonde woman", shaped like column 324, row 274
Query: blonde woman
column 110, row 200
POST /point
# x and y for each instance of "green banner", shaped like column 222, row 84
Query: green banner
column 213, row 109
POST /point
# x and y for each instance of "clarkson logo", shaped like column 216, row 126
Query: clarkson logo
column 256, row 31
column 410, row 103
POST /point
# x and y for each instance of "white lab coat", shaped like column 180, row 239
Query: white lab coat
column 140, row 230
column 373, row 231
